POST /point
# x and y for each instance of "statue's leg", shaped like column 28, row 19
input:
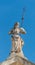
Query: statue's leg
column 13, row 44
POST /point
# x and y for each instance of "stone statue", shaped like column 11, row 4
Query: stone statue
column 17, row 41
column 17, row 56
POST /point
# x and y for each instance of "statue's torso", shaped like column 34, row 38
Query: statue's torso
column 16, row 42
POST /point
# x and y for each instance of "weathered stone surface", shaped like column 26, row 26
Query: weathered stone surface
column 17, row 61
column 16, row 56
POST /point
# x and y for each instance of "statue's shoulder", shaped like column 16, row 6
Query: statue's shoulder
column 22, row 30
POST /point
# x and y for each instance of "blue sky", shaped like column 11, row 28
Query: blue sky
column 10, row 12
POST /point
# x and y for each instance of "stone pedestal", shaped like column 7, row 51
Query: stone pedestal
column 16, row 60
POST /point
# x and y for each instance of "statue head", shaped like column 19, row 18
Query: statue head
column 16, row 24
